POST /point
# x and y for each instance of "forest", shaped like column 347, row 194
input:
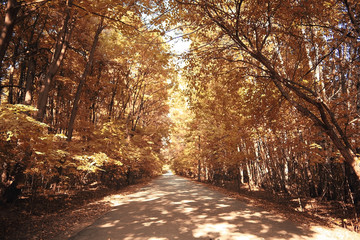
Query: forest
column 267, row 96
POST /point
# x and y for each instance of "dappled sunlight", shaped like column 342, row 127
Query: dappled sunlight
column 229, row 216
column 214, row 230
column 107, row 225
column 327, row 233
column 174, row 208
column 222, row 205
column 188, row 209
column 266, row 229
column 151, row 199
column 155, row 221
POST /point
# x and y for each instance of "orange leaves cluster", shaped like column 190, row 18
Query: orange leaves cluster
column 270, row 84
column 122, row 119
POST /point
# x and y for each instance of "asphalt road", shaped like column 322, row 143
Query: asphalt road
column 171, row 207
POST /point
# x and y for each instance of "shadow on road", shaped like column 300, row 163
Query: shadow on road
column 172, row 207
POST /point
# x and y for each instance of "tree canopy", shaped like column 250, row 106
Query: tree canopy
column 267, row 95
column 84, row 91
column 273, row 91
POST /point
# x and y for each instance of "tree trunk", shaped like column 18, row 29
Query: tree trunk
column 11, row 85
column 295, row 95
column 95, row 96
column 29, row 81
column 112, row 101
column 326, row 122
column 199, row 163
column 358, row 95
column 83, row 80
column 11, row 73
column 57, row 58
column 12, row 9
column 31, row 64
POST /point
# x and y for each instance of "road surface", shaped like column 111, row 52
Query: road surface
column 172, row 207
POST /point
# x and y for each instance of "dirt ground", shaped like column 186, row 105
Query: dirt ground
column 302, row 210
column 59, row 216
column 63, row 216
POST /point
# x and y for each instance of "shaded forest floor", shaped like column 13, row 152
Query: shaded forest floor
column 303, row 210
column 59, row 216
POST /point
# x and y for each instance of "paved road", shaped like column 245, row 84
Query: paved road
column 172, row 207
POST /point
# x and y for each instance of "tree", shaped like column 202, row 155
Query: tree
column 116, row 118
column 286, row 44
column 11, row 11
column 59, row 51
column 83, row 78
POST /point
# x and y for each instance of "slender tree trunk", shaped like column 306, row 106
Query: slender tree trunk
column 11, row 85
column 83, row 80
column 29, row 81
column 95, row 95
column 57, row 58
column 11, row 75
column 111, row 104
column 12, row 9
column 250, row 176
column 31, row 63
column 20, row 92
column 58, row 110
column 199, row 162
